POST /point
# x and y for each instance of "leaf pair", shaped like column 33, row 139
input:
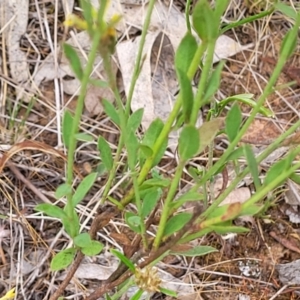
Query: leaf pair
column 65, row 257
column 70, row 222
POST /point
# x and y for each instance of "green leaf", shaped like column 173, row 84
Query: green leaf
column 214, row 82
column 98, row 83
column 289, row 44
column 295, row 177
column 275, row 170
column 236, row 154
column 204, row 21
column 82, row 240
column 107, row 297
column 176, row 223
column 111, row 111
column 123, row 259
column 146, row 191
column 87, row 10
column 63, row 190
column 137, row 295
column 194, row 173
column 71, row 225
column 101, row 169
column 134, row 221
column 208, row 132
column 224, row 229
column 84, row 137
column 187, row 94
column 146, row 150
column 62, row 259
column 253, row 166
column 188, row 143
column 286, row 10
column 223, row 213
column 105, row 153
column 83, row 188
column 168, row 292
column 135, row 120
column 94, row 248
column 185, row 53
column 233, row 122
column 251, row 210
column 132, row 145
column 51, row 210
column 74, row 60
column 246, row 99
column 67, row 125
column 150, row 201
column 195, row 251
column 130, row 219
column 179, row 121
column 155, row 182
column 149, row 139
column 187, row 197
column 220, row 7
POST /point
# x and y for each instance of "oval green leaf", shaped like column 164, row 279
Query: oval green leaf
column 84, row 137
column 67, row 125
column 83, row 188
column 105, row 153
column 51, row 210
column 176, row 223
column 188, row 142
column 63, row 259
column 111, row 111
column 233, row 122
column 74, row 60
column 82, row 240
column 185, row 53
column 94, row 248
column 123, row 259
column 63, row 190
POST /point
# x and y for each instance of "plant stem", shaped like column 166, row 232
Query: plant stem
column 167, row 205
column 246, row 20
column 113, row 86
column 198, row 101
column 78, row 112
column 138, row 65
column 196, row 60
column 138, row 203
column 167, row 127
column 187, row 15
column 135, row 76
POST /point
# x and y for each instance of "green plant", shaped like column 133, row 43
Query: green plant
column 147, row 186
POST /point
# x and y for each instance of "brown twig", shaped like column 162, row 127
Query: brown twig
column 285, row 242
column 19, row 175
column 105, row 287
